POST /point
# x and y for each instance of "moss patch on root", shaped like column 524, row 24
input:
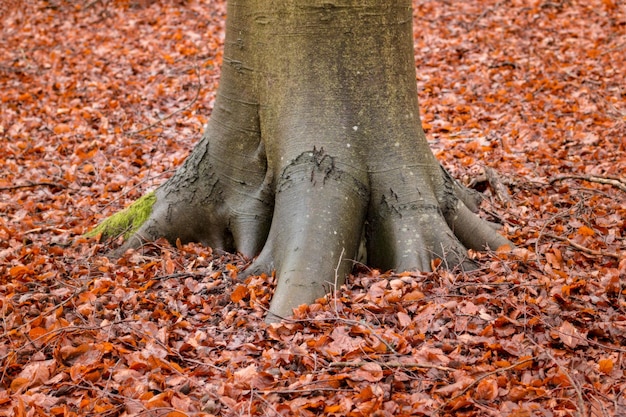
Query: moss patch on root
column 127, row 221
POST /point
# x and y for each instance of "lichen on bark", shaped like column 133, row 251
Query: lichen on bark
column 127, row 221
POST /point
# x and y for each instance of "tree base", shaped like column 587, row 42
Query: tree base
column 314, row 141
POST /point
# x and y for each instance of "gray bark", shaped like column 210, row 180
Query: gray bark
column 316, row 137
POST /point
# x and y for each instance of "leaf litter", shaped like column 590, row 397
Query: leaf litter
column 523, row 101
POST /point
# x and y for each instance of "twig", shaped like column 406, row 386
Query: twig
column 359, row 323
column 340, row 319
column 614, row 181
column 178, row 275
column 41, row 315
column 15, row 70
column 583, row 248
column 32, row 185
column 541, row 233
column 615, row 48
column 54, row 332
column 335, row 289
column 91, row 4
column 583, row 339
column 393, row 365
column 582, row 410
column 483, row 14
column 45, row 229
column 150, row 126
column 303, row 391
column 480, row 378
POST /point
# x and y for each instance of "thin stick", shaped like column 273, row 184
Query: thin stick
column 480, row 378
column 182, row 109
column 31, row 185
column 614, row 181
column 583, row 248
column 582, row 410
column 343, row 320
column 393, row 365
column 335, row 289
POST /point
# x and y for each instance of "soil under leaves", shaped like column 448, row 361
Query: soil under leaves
column 101, row 100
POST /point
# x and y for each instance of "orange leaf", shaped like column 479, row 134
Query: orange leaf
column 70, row 352
column 517, row 393
column 239, row 293
column 18, row 383
column 524, row 363
column 169, row 266
column 37, row 332
column 232, row 270
column 88, row 168
column 415, row 295
column 332, row 409
column 606, row 365
column 93, row 376
column 487, row 389
column 160, row 400
column 18, row 271
column 585, row 231
column 61, row 128
column 370, row 372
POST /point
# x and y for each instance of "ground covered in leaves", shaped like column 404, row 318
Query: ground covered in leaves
column 523, row 100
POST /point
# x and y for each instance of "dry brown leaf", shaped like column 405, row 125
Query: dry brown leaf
column 486, row 390
column 370, row 372
column 570, row 336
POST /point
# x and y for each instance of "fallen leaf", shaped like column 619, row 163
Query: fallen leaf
column 486, row 390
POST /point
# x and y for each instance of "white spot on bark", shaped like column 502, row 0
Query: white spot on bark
column 347, row 145
column 397, row 144
column 355, row 128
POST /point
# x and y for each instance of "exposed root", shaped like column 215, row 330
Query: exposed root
column 320, row 212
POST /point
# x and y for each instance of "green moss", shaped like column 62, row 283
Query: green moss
column 127, row 221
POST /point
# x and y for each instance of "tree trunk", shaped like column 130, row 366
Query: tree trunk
column 315, row 141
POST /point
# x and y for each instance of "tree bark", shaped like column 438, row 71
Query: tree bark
column 315, row 141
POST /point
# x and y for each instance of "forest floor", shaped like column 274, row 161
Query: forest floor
column 524, row 101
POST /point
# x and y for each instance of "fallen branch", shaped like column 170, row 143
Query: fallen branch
column 32, row 185
column 615, row 48
column 392, row 365
column 480, row 378
column 583, row 248
column 45, row 229
column 614, row 181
